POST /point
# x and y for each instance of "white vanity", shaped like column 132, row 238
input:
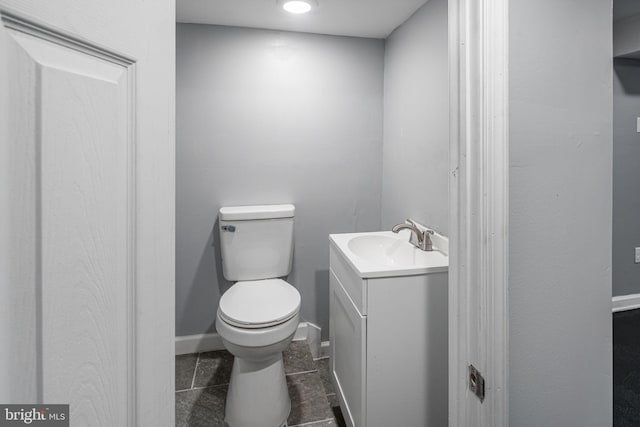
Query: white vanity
column 388, row 321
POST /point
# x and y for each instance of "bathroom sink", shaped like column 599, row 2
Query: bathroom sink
column 383, row 253
column 386, row 250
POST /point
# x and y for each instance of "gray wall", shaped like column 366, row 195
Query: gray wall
column 626, row 35
column 273, row 117
column 416, row 120
column 560, row 213
column 626, row 176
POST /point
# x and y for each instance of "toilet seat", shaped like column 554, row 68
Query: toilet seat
column 257, row 304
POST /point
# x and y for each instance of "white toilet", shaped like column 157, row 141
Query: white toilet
column 258, row 316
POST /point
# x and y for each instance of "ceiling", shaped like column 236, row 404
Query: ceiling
column 358, row 18
column 625, row 8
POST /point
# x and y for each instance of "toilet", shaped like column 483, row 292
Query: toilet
column 258, row 316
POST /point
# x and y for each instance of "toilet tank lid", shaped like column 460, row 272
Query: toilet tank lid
column 245, row 213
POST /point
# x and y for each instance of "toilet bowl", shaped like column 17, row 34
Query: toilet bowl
column 258, row 315
column 256, row 321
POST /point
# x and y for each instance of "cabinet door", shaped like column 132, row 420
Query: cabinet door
column 407, row 348
column 348, row 361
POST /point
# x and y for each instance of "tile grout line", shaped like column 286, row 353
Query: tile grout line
column 311, row 423
column 302, row 372
column 210, row 386
column 195, row 369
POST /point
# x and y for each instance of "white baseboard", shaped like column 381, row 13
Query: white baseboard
column 198, row 343
column 314, row 339
column 325, row 349
column 301, row 332
column 625, row 302
column 211, row 342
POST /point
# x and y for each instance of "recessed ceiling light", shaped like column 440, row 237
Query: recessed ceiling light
column 297, row 6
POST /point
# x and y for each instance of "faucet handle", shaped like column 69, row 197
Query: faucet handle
column 422, row 229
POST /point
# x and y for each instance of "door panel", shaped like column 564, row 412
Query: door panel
column 78, row 178
column 87, row 201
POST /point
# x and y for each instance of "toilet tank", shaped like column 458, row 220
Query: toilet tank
column 256, row 242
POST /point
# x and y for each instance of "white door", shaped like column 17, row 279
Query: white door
column 87, row 208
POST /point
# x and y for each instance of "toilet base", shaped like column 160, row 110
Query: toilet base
column 258, row 394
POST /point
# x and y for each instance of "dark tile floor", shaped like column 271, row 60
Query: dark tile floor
column 626, row 369
column 202, row 380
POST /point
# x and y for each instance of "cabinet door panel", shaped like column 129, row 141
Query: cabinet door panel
column 407, row 348
column 353, row 285
column 348, row 364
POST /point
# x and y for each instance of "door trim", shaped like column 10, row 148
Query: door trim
column 34, row 28
column 479, row 209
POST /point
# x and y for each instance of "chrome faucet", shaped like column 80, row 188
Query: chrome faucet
column 419, row 239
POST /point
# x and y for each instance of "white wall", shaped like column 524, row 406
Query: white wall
column 273, row 117
column 626, row 176
column 416, row 120
column 560, row 213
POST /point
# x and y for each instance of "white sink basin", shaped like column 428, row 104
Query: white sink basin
column 386, row 250
column 383, row 253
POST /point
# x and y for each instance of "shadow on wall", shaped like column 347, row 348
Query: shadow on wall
column 322, row 298
column 627, row 71
column 223, row 284
column 203, row 274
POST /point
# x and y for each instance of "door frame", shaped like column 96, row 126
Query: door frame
column 478, row 210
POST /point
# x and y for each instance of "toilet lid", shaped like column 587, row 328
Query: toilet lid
column 259, row 303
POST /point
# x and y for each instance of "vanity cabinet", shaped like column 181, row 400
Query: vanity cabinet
column 388, row 344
